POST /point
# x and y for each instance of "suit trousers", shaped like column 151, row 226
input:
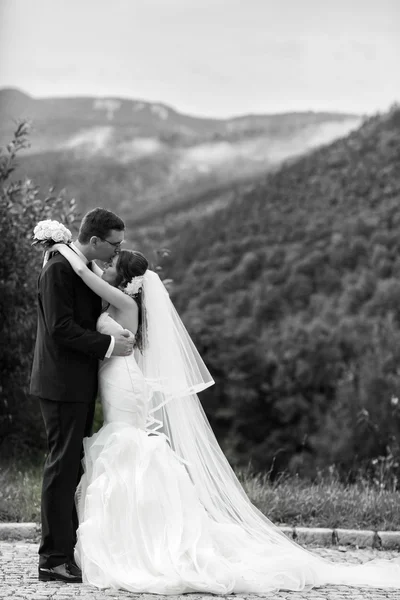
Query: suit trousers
column 66, row 423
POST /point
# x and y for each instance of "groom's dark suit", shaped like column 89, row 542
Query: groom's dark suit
column 64, row 377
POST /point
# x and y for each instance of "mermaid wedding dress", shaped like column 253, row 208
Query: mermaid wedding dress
column 147, row 525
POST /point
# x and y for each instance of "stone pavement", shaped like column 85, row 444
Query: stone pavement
column 316, row 536
column 18, row 580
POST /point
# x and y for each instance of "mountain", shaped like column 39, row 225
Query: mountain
column 140, row 156
column 290, row 287
column 354, row 178
column 287, row 275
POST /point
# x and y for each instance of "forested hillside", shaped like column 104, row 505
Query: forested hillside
column 292, row 293
column 290, row 287
column 138, row 157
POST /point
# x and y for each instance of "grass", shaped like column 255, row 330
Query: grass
column 325, row 503
column 20, row 489
column 287, row 501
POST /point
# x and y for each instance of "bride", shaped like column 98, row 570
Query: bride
column 160, row 509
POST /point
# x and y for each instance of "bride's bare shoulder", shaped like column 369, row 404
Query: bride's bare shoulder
column 126, row 317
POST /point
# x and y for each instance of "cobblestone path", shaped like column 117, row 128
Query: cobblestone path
column 18, row 580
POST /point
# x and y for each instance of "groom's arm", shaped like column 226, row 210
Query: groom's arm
column 57, row 298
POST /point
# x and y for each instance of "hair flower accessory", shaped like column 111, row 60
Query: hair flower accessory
column 48, row 232
column 133, row 287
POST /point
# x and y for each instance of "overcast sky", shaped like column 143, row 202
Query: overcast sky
column 207, row 57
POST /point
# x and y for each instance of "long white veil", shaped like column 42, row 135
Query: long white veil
column 175, row 373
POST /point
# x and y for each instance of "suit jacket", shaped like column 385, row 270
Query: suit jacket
column 68, row 346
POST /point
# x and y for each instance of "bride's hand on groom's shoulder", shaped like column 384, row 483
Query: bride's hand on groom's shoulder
column 58, row 247
column 124, row 341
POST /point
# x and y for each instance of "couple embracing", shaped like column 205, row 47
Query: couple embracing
column 149, row 503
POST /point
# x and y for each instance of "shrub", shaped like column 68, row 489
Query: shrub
column 21, row 207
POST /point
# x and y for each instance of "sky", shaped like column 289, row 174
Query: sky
column 216, row 58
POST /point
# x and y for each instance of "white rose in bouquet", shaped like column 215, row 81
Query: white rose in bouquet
column 58, row 236
column 40, row 234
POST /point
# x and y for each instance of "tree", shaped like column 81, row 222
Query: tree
column 21, row 207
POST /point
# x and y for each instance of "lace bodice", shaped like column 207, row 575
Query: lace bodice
column 123, row 391
column 106, row 324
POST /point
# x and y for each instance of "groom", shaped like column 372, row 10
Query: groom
column 64, row 378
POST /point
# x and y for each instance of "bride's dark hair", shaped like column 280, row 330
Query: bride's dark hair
column 132, row 263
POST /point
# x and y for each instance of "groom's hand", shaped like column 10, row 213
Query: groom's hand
column 123, row 343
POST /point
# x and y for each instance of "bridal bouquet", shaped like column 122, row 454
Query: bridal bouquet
column 48, row 232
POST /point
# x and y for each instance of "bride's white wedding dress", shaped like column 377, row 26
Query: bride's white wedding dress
column 143, row 527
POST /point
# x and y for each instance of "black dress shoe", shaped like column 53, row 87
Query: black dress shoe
column 74, row 569
column 63, row 572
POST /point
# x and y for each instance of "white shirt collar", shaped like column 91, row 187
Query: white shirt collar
column 79, row 253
